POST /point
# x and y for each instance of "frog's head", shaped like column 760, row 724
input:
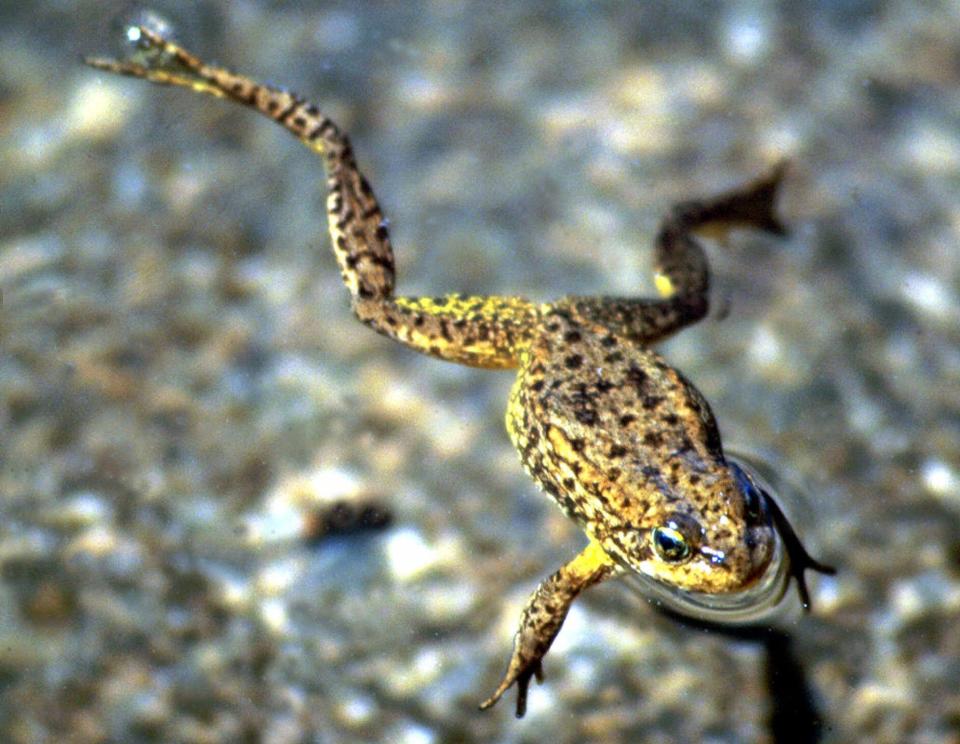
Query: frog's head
column 720, row 543
column 725, row 548
column 726, row 556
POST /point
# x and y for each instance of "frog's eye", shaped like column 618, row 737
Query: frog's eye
column 669, row 544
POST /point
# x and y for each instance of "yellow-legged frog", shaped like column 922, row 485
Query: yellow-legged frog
column 620, row 440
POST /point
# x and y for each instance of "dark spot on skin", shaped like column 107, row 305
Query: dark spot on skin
column 608, row 341
column 299, row 122
column 650, row 402
column 418, row 320
column 572, row 337
column 569, row 483
column 653, row 439
column 568, row 505
column 345, row 218
column 537, row 386
column 577, row 445
column 671, row 419
column 440, row 301
column 613, row 474
column 712, row 438
column 617, row 451
column 323, row 128
column 627, row 419
column 587, row 418
column 694, row 479
column 553, row 327
column 637, row 377
column 573, row 361
column 614, row 358
column 604, row 386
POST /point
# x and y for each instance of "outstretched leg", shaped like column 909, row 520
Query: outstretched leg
column 682, row 274
column 542, row 617
column 479, row 331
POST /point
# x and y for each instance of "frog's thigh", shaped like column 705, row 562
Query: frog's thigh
column 485, row 332
column 544, row 615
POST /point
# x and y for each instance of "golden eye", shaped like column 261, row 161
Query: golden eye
column 670, row 544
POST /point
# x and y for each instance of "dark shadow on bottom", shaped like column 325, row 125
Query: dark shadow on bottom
column 793, row 717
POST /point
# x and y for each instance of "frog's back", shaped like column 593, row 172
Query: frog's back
column 612, row 433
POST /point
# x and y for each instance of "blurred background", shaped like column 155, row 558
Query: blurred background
column 184, row 393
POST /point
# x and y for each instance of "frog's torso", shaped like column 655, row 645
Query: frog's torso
column 608, row 429
column 622, row 442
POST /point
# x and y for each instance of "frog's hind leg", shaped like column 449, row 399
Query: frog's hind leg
column 682, row 272
column 544, row 615
column 479, row 331
column 681, row 266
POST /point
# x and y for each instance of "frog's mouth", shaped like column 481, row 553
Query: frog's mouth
column 762, row 598
column 755, row 602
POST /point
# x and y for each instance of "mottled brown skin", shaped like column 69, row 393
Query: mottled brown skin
column 625, row 445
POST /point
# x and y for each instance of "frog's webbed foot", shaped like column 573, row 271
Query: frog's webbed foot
column 521, row 671
column 157, row 59
column 544, row 615
column 751, row 205
column 800, row 559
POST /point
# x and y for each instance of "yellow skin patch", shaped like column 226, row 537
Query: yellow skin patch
column 624, row 444
column 664, row 286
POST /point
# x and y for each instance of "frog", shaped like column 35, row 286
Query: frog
column 623, row 442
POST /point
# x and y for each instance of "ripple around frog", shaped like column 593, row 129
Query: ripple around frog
column 763, row 602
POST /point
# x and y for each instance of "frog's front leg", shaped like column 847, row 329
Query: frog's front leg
column 477, row 331
column 544, row 615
